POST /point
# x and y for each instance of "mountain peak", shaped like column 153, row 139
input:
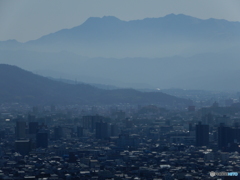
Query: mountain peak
column 110, row 18
column 104, row 19
column 179, row 16
column 10, row 41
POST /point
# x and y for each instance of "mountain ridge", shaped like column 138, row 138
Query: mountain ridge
column 22, row 86
column 175, row 51
column 150, row 37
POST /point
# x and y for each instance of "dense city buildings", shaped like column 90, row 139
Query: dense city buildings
column 128, row 142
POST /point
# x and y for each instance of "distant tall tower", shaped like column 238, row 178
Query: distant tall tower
column 101, row 130
column 202, row 134
column 225, row 136
column 20, row 130
column 58, row 132
column 42, row 139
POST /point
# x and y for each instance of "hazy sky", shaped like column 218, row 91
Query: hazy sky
column 30, row 19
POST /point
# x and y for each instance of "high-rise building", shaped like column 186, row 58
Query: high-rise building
column 228, row 138
column 23, row 146
column 58, row 132
column 42, row 139
column 101, row 130
column 20, row 129
column 202, row 134
column 224, row 136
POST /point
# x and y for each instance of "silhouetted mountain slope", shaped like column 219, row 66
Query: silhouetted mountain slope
column 150, row 37
column 18, row 85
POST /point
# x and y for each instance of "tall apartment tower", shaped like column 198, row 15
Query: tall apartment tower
column 42, row 139
column 58, row 132
column 101, row 130
column 23, row 146
column 202, row 134
column 225, row 136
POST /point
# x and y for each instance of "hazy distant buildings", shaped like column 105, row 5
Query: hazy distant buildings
column 125, row 140
column 191, row 108
column 229, row 102
column 79, row 131
column 2, row 134
column 31, row 118
column 33, row 127
column 223, row 120
column 114, row 131
column 53, row 108
column 128, row 123
column 89, row 122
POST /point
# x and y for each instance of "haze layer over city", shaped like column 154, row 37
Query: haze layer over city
column 119, row 89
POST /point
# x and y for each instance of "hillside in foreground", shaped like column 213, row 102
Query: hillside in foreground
column 18, row 85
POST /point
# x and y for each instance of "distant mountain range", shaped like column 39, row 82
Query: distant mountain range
column 18, row 85
column 175, row 51
column 151, row 37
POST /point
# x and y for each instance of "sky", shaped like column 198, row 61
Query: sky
column 30, row 19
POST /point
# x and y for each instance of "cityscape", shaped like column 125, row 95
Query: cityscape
column 119, row 142
column 119, row 90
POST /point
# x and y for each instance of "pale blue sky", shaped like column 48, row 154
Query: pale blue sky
column 30, row 19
